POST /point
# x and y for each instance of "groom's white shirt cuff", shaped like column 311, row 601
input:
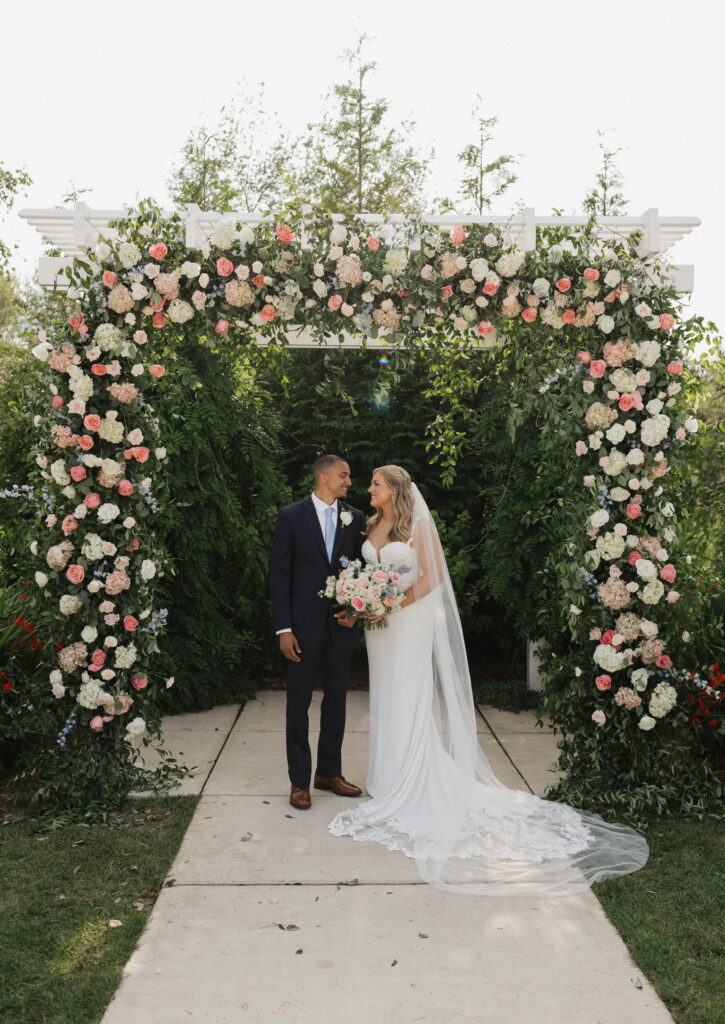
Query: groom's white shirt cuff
column 285, row 630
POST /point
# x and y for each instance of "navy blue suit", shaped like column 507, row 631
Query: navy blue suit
column 299, row 567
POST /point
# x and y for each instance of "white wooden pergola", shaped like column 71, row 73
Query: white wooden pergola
column 74, row 231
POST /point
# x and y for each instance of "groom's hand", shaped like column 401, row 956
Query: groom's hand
column 289, row 646
column 345, row 620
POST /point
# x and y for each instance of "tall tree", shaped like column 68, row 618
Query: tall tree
column 354, row 162
column 485, row 178
column 606, row 198
column 239, row 162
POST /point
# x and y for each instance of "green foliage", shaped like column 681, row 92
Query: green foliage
column 12, row 184
column 484, row 179
column 606, row 197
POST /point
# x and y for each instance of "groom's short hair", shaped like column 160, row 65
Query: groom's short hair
column 324, row 464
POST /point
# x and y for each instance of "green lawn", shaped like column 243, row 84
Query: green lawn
column 671, row 916
column 61, row 962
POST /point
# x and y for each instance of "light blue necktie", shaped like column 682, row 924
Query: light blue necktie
column 329, row 531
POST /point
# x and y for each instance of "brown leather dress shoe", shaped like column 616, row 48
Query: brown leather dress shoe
column 338, row 785
column 300, row 798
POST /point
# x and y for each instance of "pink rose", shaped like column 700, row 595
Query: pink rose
column 591, row 274
column 92, row 422
column 673, row 596
column 603, row 682
column 57, row 402
column 334, row 302
column 77, row 323
column 125, row 488
column 258, row 281
column 446, row 291
column 373, row 243
column 98, row 657
column 568, row 316
column 667, row 321
column 395, row 578
column 139, row 682
column 96, row 723
column 633, row 557
column 485, row 327
column 529, row 314
column 157, row 251
column 224, row 267
column 668, row 573
column 109, row 278
column 583, row 356
column 75, row 573
column 222, row 327
column 99, row 370
column 674, row 368
column 158, row 320
column 85, row 442
column 111, row 619
column 140, row 337
column 490, row 288
column 563, row 284
column 457, row 234
column 69, row 524
column 156, row 371
column 198, row 299
column 597, row 368
column 130, row 623
column 380, row 576
column 269, row 313
column 92, row 500
column 358, row 604
column 633, row 511
column 625, row 403
column 664, row 661
column 78, row 473
column 581, row 448
column 284, row 233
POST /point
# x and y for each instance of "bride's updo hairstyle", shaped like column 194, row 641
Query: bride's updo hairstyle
column 398, row 479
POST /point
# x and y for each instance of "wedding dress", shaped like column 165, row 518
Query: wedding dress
column 434, row 795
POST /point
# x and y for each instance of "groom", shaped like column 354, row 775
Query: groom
column 309, row 539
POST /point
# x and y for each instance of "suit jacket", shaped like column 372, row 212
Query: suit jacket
column 299, row 568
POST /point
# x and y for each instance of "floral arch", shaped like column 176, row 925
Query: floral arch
column 582, row 297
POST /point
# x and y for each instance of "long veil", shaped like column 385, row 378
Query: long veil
column 467, row 830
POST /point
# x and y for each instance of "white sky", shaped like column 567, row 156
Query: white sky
column 102, row 94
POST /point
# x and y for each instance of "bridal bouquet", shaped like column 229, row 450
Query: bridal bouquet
column 366, row 590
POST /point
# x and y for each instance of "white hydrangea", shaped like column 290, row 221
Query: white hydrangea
column 59, row 473
column 623, row 380
column 635, row 457
column 540, row 287
column 654, row 430
column 551, row 316
column 396, row 260
column 646, row 352
column 125, row 656
column 180, row 312
column 663, row 699
column 614, row 463
column 90, row 695
column 610, row 546
column 653, row 592
column 607, row 658
column 510, row 263
column 224, row 234
column 649, row 628
column 111, row 430
column 82, row 386
column 108, row 512
column 69, row 604
column 108, row 338
column 129, row 254
column 246, row 235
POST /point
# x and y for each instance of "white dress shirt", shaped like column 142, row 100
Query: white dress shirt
column 320, row 509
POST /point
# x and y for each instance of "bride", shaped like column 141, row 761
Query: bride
column 433, row 793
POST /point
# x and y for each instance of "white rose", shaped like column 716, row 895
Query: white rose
column 668, row 509
column 540, row 287
column 103, row 251
column 108, row 512
column 338, row 234
column 605, row 323
column 612, row 278
column 89, row 634
column 42, row 351
column 619, row 494
column 616, row 433
column 645, row 569
column 160, row 453
column 94, row 586
column 246, row 235
column 479, row 269
column 635, row 457
column 654, row 406
column 649, row 628
column 203, row 280
column 599, row 518
column 41, row 579
column 639, row 679
column 691, row 425
column 646, row 723
column 319, row 288
column 190, row 270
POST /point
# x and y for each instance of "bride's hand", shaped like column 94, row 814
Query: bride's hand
column 375, row 618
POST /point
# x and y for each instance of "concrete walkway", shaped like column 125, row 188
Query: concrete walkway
column 265, row 915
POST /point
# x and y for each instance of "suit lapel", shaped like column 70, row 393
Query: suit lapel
column 309, row 510
column 338, row 531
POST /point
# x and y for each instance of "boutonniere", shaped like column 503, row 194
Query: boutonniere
column 346, row 518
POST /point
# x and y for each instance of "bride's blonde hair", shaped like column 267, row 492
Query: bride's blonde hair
column 399, row 480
